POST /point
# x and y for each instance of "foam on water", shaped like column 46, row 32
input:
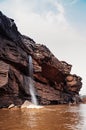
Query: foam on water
column 28, row 104
column 34, row 106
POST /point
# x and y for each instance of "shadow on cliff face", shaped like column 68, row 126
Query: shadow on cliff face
column 52, row 78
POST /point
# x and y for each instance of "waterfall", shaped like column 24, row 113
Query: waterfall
column 31, row 83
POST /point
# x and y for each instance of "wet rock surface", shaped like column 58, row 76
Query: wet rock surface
column 53, row 80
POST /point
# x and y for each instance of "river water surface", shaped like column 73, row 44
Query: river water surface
column 60, row 117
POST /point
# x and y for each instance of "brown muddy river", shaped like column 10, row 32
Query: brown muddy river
column 60, row 117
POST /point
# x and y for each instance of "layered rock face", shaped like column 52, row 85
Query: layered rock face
column 52, row 78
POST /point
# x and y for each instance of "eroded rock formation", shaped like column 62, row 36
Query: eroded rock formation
column 52, row 78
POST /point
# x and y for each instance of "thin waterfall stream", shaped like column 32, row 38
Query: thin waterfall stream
column 31, row 83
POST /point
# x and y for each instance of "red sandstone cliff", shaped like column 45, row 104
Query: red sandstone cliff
column 52, row 78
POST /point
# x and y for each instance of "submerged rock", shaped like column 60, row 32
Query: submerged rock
column 52, row 78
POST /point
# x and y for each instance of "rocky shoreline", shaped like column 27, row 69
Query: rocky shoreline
column 53, row 80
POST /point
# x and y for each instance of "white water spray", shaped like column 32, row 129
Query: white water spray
column 31, row 83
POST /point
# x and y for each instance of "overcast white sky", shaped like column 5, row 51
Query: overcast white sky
column 59, row 24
